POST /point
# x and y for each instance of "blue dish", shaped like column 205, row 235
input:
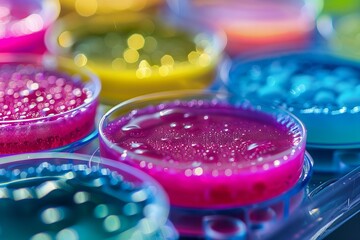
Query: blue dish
column 72, row 196
column 321, row 89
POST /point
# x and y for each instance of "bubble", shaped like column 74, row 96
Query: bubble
column 67, row 234
column 276, row 163
column 52, row 215
column 348, row 99
column 112, row 223
column 188, row 172
column 4, row 193
column 136, row 41
column 22, row 194
column 188, row 126
column 131, row 209
column 81, row 197
column 324, row 97
column 41, row 236
column 228, row 172
column 139, row 196
column 131, row 56
column 198, row 171
column 223, row 137
column 31, row 90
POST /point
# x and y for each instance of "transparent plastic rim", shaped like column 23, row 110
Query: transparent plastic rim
column 51, row 10
column 336, row 146
column 306, row 174
column 77, row 144
column 189, row 95
column 50, row 62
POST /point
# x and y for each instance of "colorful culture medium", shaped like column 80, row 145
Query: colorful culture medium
column 322, row 90
column 66, row 198
column 138, row 55
column 207, row 153
column 42, row 107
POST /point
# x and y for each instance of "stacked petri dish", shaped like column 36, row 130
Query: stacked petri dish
column 218, row 158
column 45, row 104
column 72, row 196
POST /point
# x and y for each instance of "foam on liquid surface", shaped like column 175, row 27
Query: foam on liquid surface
column 205, row 134
column 28, row 92
column 42, row 109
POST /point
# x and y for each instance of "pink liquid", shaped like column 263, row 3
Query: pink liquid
column 210, row 155
column 42, row 109
column 23, row 24
column 253, row 26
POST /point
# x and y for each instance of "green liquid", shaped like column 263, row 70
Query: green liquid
column 341, row 7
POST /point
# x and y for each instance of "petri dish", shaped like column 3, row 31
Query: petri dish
column 134, row 54
column 73, row 196
column 45, row 104
column 200, row 146
column 320, row 88
column 23, row 24
column 255, row 27
column 252, row 221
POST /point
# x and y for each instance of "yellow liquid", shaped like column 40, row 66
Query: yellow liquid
column 137, row 55
column 88, row 8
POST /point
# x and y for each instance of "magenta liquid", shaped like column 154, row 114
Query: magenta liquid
column 23, row 24
column 42, row 109
column 210, row 155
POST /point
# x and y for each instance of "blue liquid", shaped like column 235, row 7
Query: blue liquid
column 322, row 90
column 71, row 202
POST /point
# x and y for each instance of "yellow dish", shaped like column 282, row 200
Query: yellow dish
column 135, row 54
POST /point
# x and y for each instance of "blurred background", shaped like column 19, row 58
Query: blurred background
column 138, row 47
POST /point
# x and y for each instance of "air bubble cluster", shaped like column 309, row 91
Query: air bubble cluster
column 207, row 133
column 29, row 91
column 299, row 82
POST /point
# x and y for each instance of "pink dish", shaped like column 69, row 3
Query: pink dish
column 23, row 24
column 44, row 104
column 254, row 26
column 204, row 149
